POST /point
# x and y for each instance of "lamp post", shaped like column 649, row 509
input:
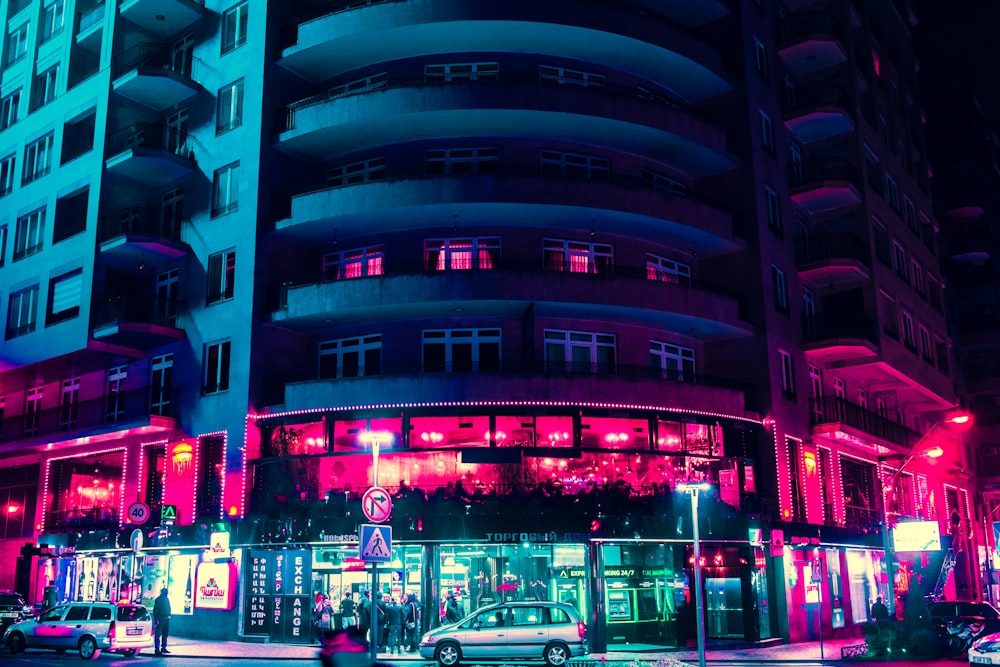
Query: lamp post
column 693, row 490
column 889, row 491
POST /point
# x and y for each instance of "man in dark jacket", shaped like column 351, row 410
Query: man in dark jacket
column 394, row 620
column 411, row 625
column 161, row 622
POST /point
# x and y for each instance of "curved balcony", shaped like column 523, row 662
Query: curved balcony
column 137, row 235
column 355, row 35
column 626, row 295
column 810, row 42
column 162, row 18
column 136, row 322
column 521, row 380
column 824, row 184
column 150, row 154
column 412, row 109
column 835, row 338
column 156, row 75
column 833, row 260
column 818, row 111
column 515, row 195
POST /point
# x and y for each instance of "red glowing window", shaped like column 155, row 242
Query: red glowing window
column 876, row 64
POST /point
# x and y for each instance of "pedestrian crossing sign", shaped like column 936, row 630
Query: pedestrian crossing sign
column 376, row 543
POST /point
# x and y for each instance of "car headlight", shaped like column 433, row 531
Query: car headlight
column 987, row 645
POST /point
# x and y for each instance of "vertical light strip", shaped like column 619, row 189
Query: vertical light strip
column 45, row 496
column 121, row 489
column 840, row 513
column 194, row 487
column 225, row 449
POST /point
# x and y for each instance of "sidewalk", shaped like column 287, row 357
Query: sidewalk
column 807, row 651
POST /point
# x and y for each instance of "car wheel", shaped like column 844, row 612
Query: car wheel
column 16, row 643
column 556, row 655
column 448, row 654
column 88, row 648
column 129, row 652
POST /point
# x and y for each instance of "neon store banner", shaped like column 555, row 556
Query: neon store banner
column 216, row 588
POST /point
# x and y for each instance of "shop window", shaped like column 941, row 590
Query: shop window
column 211, row 468
column 689, row 438
column 18, row 494
column 296, row 439
column 449, row 432
column 609, row 433
column 357, row 435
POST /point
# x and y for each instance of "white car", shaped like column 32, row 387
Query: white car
column 985, row 650
column 87, row 627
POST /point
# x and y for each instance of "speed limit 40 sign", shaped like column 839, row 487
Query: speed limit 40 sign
column 138, row 513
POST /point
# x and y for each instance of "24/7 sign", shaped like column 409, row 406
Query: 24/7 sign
column 377, row 504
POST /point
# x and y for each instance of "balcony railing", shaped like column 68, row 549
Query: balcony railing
column 150, row 136
column 818, row 328
column 124, row 309
column 830, row 409
column 91, row 18
column 140, row 220
column 150, row 55
column 831, row 246
column 118, row 408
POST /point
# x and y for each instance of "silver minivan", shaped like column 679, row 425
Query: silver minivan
column 87, row 627
column 549, row 631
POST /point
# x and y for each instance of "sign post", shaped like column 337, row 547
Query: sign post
column 376, row 547
column 377, row 504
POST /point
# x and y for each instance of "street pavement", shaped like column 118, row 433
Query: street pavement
column 800, row 652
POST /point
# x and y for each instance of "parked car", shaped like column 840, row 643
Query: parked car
column 13, row 608
column 985, row 650
column 950, row 612
column 549, row 631
column 87, row 627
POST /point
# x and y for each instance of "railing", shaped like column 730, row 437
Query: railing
column 152, row 136
column 829, row 409
column 817, row 328
column 139, row 220
column 150, row 55
column 115, row 409
column 817, row 170
column 831, row 246
column 814, row 95
column 534, row 266
column 91, row 18
column 124, row 309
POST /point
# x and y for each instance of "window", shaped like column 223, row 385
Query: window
column 899, row 261
column 350, row 357
column 172, row 213
column 774, row 222
column 917, row 276
column 21, row 312
column 891, row 315
column 461, row 254
column 3, row 244
column 673, row 362
column 221, row 276
column 71, row 215
column 663, row 182
column 32, row 411
column 364, row 171
column 65, row 292
column 840, row 388
column 787, row 375
column 6, row 175
column 667, row 270
column 69, row 404
column 28, row 237
column 43, row 89
column 116, row 393
column 760, row 55
column 578, row 257
column 229, row 115
column 9, row 109
column 562, row 75
column 780, row 289
column 358, row 86
column 234, row 26
column 162, row 385
column 461, row 351
column 78, row 136
column 17, row 44
column 453, row 161
column 53, row 19
column 355, row 263
column 225, row 190
column 558, row 163
column 883, row 129
column 579, row 352
column 910, row 215
column 217, row 367
column 941, row 351
column 464, row 71
column 38, row 158
column 906, row 321
column 767, row 133
column 892, row 192
column 926, row 349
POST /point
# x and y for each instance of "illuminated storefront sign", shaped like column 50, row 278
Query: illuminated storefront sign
column 218, row 547
column 216, row 586
column 916, row 536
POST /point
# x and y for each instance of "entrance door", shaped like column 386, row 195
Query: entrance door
column 723, row 608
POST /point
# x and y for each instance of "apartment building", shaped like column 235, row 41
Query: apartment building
column 526, row 266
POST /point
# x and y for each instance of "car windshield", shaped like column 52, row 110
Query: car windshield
column 486, row 619
column 11, row 600
column 132, row 613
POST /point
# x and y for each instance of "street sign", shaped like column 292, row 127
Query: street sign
column 138, row 513
column 376, row 543
column 377, row 504
column 136, row 540
column 168, row 513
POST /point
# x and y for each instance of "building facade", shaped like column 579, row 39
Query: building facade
column 526, row 266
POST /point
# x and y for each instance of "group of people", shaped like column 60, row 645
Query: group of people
column 397, row 623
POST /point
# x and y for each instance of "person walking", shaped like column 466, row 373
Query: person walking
column 161, row 622
column 394, row 621
column 364, row 611
column 411, row 623
column 322, row 615
column 452, row 613
column 347, row 615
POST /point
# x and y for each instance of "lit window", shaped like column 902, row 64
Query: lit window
column 578, row 256
column 461, row 254
column 667, row 270
column 354, row 263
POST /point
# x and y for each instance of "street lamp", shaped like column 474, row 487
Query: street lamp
column 918, row 450
column 693, row 489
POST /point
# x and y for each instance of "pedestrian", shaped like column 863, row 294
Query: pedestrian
column 364, row 609
column 347, row 615
column 411, row 623
column 322, row 615
column 879, row 611
column 452, row 614
column 161, row 623
column 394, row 620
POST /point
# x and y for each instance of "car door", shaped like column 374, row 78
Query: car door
column 73, row 625
column 485, row 635
column 40, row 632
column 528, row 632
